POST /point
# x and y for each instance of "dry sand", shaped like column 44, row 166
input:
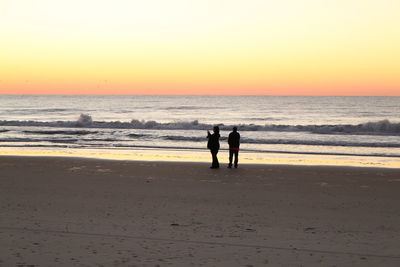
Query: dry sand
column 82, row 212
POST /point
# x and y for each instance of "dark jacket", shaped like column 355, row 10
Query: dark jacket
column 234, row 140
column 213, row 141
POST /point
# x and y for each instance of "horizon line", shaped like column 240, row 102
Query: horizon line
column 198, row 95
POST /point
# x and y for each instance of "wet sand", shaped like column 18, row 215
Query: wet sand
column 87, row 212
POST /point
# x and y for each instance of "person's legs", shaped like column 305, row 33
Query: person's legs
column 216, row 159
column 236, row 158
column 215, row 163
column 230, row 158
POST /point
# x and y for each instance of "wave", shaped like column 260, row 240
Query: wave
column 132, row 135
column 289, row 142
column 29, row 140
column 244, row 141
column 45, row 132
column 383, row 127
column 184, row 108
column 188, row 138
column 265, row 119
column 318, row 143
column 183, row 138
column 37, row 110
column 3, row 131
column 52, row 109
column 35, row 146
column 378, row 127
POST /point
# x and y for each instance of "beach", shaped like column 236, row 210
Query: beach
column 58, row 211
column 112, row 111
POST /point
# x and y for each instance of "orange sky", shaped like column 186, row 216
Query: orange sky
column 287, row 47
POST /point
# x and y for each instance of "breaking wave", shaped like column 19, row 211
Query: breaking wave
column 383, row 127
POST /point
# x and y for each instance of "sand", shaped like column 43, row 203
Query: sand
column 87, row 212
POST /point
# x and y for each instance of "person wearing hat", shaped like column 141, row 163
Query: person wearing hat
column 234, row 143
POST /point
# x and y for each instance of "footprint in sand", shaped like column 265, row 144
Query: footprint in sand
column 76, row 168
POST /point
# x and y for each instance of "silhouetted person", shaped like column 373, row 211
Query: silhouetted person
column 213, row 145
column 234, row 143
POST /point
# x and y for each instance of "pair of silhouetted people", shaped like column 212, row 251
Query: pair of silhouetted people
column 213, row 145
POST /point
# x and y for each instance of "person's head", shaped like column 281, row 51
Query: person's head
column 216, row 129
column 235, row 129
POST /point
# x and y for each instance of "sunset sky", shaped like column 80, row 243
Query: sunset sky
column 269, row 47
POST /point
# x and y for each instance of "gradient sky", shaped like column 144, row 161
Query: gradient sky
column 269, row 47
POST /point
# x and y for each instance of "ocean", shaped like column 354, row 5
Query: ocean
column 363, row 130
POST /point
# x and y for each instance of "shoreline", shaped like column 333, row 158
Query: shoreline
column 177, row 155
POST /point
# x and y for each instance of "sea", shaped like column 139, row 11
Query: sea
column 324, row 130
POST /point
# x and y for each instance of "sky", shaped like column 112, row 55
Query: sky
column 239, row 47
